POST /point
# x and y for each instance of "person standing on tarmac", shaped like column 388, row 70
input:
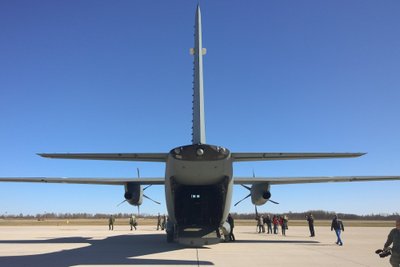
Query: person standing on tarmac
column 268, row 221
column 394, row 237
column 132, row 222
column 111, row 221
column 164, row 221
column 232, row 225
column 260, row 223
column 310, row 220
column 284, row 224
column 276, row 223
column 338, row 226
column 158, row 222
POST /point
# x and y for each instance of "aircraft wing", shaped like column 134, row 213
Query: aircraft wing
column 151, row 157
column 98, row 181
column 286, row 156
column 307, row 180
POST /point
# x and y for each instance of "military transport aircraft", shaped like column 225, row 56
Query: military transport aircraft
column 199, row 177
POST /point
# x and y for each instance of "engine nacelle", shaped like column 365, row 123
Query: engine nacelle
column 260, row 193
column 133, row 193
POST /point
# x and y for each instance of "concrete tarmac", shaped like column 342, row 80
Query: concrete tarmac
column 52, row 246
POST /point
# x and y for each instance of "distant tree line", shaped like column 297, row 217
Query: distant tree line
column 53, row 215
column 323, row 215
column 318, row 214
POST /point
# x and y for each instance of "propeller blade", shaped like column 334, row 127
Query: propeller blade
column 138, row 173
column 152, row 200
column 242, row 199
column 247, row 187
column 147, row 187
column 138, row 210
column 121, row 203
column 273, row 201
column 255, row 207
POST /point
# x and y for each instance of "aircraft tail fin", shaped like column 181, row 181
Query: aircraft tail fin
column 198, row 128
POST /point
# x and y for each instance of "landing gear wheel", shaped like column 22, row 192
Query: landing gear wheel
column 170, row 236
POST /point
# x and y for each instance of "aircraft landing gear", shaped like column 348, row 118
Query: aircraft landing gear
column 170, row 229
column 170, row 236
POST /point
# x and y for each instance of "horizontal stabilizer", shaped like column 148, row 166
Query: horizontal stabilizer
column 308, row 180
column 150, row 157
column 290, row 156
column 99, row 181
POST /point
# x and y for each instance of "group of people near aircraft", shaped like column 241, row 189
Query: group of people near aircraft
column 276, row 221
column 132, row 222
column 161, row 222
column 336, row 225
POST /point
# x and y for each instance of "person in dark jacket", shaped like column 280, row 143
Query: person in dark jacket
column 159, row 221
column 275, row 221
column 164, row 221
column 337, row 225
column 111, row 221
column 394, row 237
column 310, row 220
column 232, row 225
column 268, row 222
column 284, row 224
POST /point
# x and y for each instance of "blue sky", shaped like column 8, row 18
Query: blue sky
column 280, row 76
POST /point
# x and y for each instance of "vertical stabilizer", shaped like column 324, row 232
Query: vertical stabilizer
column 198, row 128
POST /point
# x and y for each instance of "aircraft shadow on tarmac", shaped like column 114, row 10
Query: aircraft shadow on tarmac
column 115, row 250
column 279, row 241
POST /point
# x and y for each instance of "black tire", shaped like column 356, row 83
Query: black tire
column 170, row 236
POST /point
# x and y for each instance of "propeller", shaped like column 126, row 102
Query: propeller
column 249, row 188
column 268, row 199
column 147, row 187
column 121, row 202
column 138, row 174
column 242, row 199
column 152, row 199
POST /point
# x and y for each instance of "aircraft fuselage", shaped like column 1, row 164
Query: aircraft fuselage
column 198, row 185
